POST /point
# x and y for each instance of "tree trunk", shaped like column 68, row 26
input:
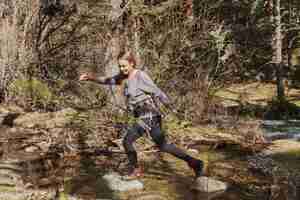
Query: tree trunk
column 277, row 48
column 137, row 47
column 112, row 51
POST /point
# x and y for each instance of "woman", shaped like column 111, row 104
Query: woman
column 139, row 91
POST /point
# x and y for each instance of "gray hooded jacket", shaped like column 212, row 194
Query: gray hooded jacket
column 140, row 91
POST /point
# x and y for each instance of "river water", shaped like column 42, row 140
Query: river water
column 80, row 175
column 282, row 129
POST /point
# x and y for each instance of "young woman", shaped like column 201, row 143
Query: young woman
column 139, row 90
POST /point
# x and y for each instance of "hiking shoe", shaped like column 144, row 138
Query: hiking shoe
column 197, row 166
column 134, row 174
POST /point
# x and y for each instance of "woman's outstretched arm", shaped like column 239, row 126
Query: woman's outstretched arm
column 107, row 80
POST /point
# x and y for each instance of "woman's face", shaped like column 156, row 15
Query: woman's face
column 125, row 67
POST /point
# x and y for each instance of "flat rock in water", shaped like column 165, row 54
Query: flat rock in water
column 209, row 185
column 116, row 183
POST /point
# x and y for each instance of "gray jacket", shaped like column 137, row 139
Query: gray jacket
column 139, row 91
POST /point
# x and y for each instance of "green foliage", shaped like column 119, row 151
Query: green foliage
column 257, row 7
column 219, row 36
column 31, row 93
column 295, row 58
column 173, row 123
column 295, row 52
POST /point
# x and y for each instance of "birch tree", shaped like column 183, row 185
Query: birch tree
column 277, row 49
column 114, row 48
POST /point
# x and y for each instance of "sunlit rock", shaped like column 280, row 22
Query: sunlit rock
column 32, row 149
column 206, row 184
column 116, row 183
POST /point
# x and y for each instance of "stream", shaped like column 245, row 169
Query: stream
column 78, row 175
column 282, row 129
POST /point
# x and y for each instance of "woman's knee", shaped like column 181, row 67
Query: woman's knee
column 131, row 136
column 166, row 147
column 162, row 147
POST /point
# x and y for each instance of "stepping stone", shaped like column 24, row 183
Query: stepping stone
column 116, row 183
column 209, row 185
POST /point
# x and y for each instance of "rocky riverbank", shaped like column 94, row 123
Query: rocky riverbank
column 68, row 155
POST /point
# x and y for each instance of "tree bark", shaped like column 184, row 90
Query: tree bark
column 112, row 51
column 277, row 47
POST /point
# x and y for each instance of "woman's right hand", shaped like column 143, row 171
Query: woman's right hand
column 85, row 77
